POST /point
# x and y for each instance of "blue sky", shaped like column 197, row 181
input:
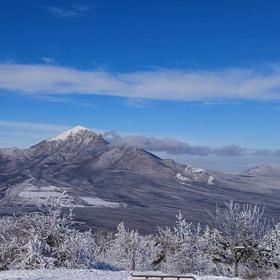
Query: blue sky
column 205, row 74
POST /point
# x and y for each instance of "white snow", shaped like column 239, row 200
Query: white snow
column 98, row 202
column 194, row 174
column 180, row 177
column 191, row 170
column 39, row 194
column 30, row 191
column 81, row 274
column 64, row 135
column 50, row 188
column 63, row 274
column 210, row 180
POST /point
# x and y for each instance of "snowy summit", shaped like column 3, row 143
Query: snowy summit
column 73, row 131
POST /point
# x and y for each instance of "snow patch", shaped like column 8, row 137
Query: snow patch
column 191, row 171
column 182, row 178
column 98, row 202
column 27, row 191
column 210, row 180
column 192, row 175
column 31, row 191
column 39, row 194
column 64, row 135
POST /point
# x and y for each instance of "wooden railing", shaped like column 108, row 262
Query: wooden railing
column 140, row 276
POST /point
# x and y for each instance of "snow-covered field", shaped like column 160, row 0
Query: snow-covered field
column 76, row 274
column 63, row 274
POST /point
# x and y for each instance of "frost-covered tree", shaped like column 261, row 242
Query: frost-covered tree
column 184, row 248
column 269, row 254
column 241, row 229
column 44, row 239
column 127, row 249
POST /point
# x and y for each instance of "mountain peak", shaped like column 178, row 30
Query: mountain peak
column 71, row 132
column 76, row 143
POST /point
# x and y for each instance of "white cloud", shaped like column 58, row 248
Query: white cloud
column 228, row 84
column 48, row 60
column 75, row 11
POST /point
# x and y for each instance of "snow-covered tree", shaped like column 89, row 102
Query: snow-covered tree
column 241, row 228
column 239, row 240
column 44, row 239
column 127, row 249
column 268, row 258
column 183, row 248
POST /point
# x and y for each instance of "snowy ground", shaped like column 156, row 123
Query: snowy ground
column 76, row 274
column 62, row 274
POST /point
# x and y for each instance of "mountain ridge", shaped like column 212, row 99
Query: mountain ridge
column 110, row 184
column 263, row 170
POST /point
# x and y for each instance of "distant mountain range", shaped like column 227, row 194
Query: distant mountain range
column 111, row 184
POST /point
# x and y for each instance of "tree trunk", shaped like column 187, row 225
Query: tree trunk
column 236, row 262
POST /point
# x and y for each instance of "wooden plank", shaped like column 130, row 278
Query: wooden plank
column 161, row 277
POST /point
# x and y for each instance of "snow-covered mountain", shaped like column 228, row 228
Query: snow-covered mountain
column 110, row 184
column 76, row 132
column 75, row 143
column 263, row 170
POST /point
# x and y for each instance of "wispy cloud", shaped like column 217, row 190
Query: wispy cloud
column 48, row 60
column 33, row 126
column 23, row 134
column 230, row 150
column 175, row 147
column 75, row 11
column 227, row 84
column 137, row 103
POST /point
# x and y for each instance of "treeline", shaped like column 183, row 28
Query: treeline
column 240, row 243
